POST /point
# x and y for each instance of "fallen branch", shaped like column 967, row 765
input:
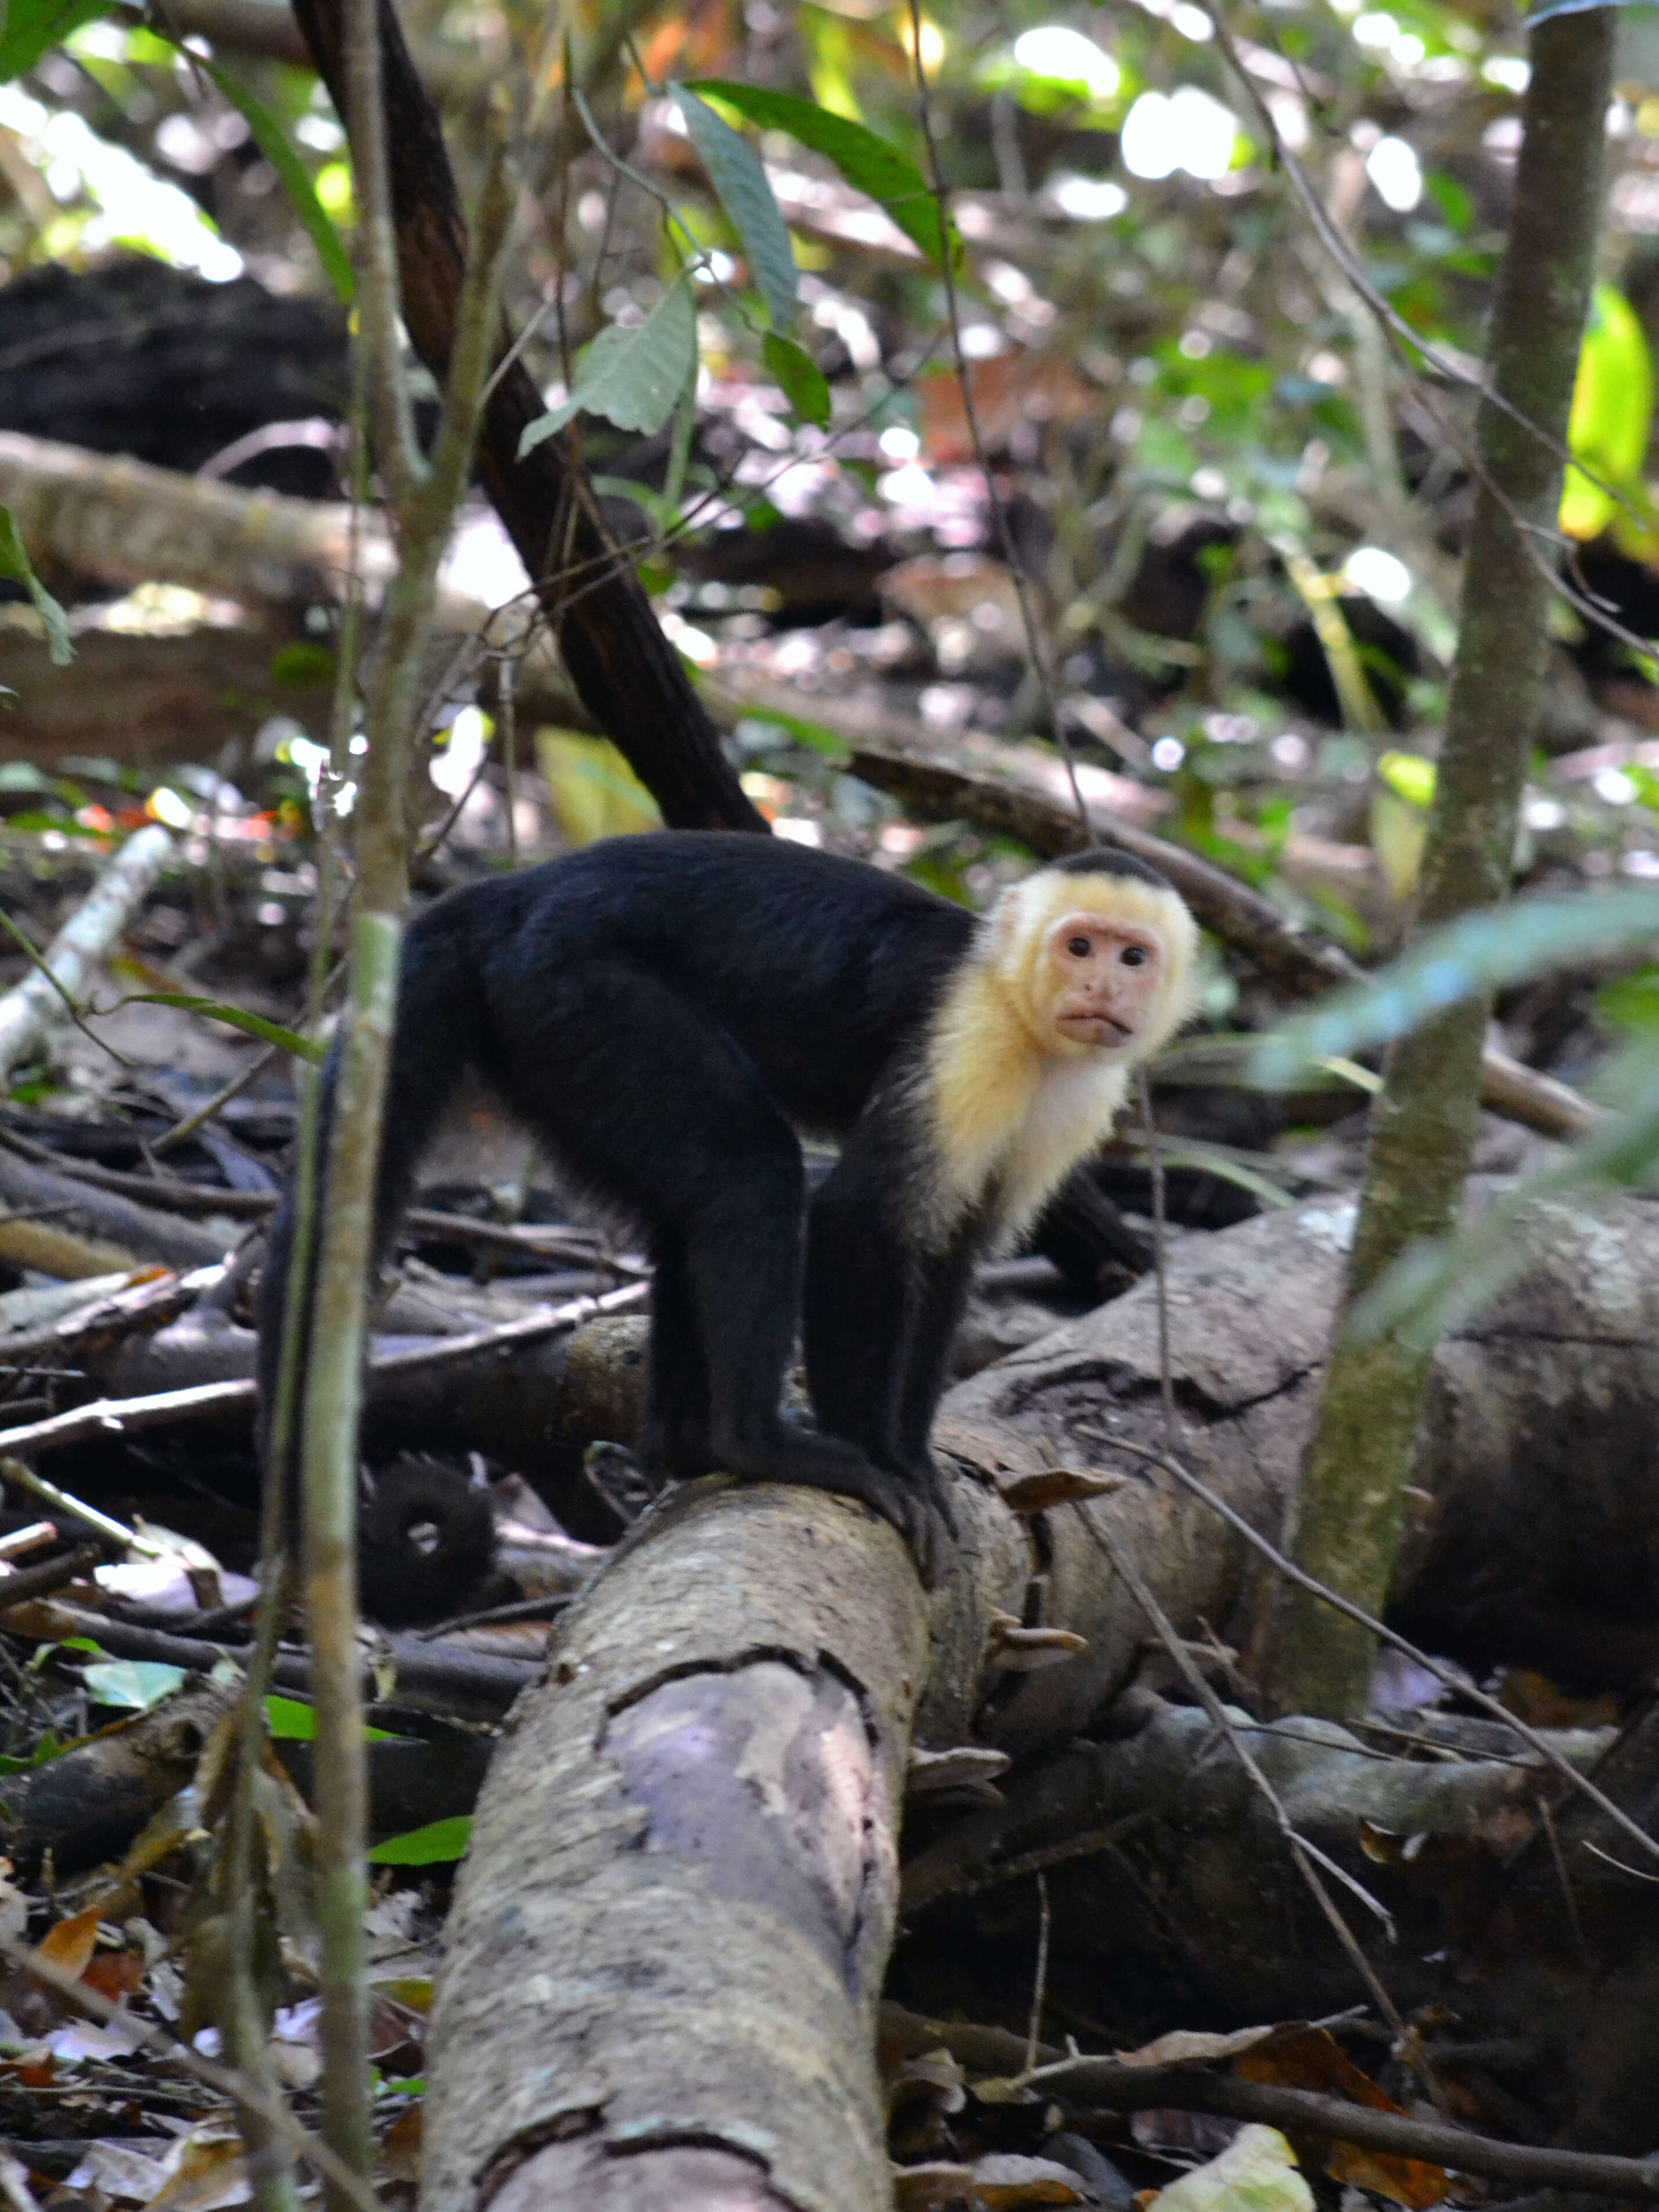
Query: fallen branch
column 203, row 1400
column 1110, row 2086
column 1114, row 2088
column 453, row 1680
column 96, row 1231
column 1296, row 960
column 47, row 994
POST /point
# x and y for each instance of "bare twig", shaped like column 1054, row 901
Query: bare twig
column 1039, row 1979
column 199, row 1400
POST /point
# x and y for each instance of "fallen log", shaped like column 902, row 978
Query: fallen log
column 669, row 1935
column 620, row 1928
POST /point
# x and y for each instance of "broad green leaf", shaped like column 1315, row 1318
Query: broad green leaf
column 1256, row 2172
column 803, row 383
column 1611, row 413
column 140, row 1683
column 735, row 172
column 633, row 377
column 235, row 1018
column 27, row 28
column 274, row 142
column 290, row 1720
column 16, row 568
column 1478, row 953
column 869, row 164
column 439, row 1841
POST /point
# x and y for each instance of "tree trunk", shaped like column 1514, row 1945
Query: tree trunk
column 628, row 675
column 1424, row 1121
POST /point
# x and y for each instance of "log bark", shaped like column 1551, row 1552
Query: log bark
column 669, row 1935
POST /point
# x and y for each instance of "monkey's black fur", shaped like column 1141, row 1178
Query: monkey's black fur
column 665, row 1012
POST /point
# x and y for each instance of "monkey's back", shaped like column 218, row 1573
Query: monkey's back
column 817, row 966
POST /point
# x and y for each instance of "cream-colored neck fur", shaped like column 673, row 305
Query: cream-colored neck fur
column 1012, row 1112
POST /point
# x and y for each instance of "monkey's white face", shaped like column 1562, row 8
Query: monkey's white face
column 1104, row 978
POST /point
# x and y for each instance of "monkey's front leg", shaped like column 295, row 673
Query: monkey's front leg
column 864, row 1297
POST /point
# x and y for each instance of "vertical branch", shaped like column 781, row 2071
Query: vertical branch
column 424, row 501
column 1424, row 1121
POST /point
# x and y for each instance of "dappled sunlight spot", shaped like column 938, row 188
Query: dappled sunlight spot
column 1187, row 131
column 1380, row 574
column 1055, row 50
column 1393, row 168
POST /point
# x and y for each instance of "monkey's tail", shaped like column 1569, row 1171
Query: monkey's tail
column 436, row 1039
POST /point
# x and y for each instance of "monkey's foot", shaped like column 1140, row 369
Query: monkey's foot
column 814, row 1462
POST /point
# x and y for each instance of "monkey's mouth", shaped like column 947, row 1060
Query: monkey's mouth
column 1094, row 1027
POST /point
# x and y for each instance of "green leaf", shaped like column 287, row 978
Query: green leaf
column 735, row 172
column 235, row 1018
column 1409, row 776
column 633, row 377
column 290, row 1720
column 140, row 1683
column 1612, row 414
column 51, row 1747
column 803, row 383
column 274, row 142
column 868, row 163
column 16, row 568
column 1478, row 953
column 27, row 28
column 439, row 1841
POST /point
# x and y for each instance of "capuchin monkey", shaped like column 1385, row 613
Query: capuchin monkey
column 669, row 1013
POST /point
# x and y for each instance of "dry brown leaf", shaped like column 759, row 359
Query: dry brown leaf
column 207, row 2172
column 70, row 1944
column 1314, row 2059
column 938, row 2181
column 115, row 1974
column 1004, row 2179
column 401, row 2149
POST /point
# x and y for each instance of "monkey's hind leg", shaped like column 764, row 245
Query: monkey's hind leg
column 659, row 1109
column 674, row 1429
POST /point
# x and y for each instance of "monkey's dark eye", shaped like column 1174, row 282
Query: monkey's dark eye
column 1134, row 956
column 1080, row 947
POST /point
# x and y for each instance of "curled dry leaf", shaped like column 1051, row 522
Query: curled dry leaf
column 938, row 2181
column 1003, row 2179
column 1023, row 1650
column 1056, row 1485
